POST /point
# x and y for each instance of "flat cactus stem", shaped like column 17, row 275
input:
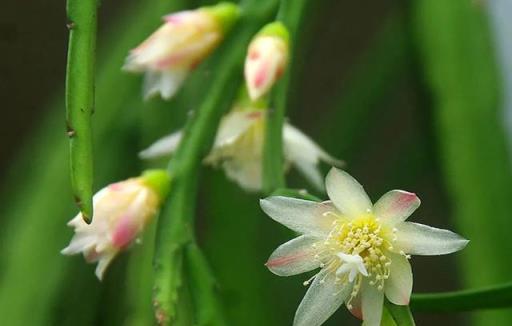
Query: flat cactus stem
column 82, row 24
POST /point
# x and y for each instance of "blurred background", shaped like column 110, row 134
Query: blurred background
column 411, row 94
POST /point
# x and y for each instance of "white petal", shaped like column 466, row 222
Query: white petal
column 103, row 263
column 165, row 83
column 294, row 257
column 396, row 206
column 419, row 239
column 79, row 243
column 354, row 306
column 311, row 172
column 247, row 174
column 372, row 301
column 398, row 286
column 323, row 298
column 162, row 147
column 347, row 194
column 305, row 154
column 235, row 124
column 303, row 216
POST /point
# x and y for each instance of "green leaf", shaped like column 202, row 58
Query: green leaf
column 458, row 61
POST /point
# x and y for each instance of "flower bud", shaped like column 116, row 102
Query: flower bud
column 121, row 211
column 266, row 59
column 184, row 40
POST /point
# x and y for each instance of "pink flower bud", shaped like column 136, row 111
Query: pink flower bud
column 184, row 40
column 266, row 60
column 121, row 211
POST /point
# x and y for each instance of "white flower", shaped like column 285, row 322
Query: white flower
column 266, row 59
column 184, row 40
column 373, row 242
column 238, row 148
column 121, row 211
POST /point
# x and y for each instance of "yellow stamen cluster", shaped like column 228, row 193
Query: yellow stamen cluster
column 364, row 236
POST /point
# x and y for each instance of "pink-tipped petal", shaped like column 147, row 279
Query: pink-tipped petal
column 347, row 194
column 398, row 286
column 419, row 239
column 303, row 216
column 294, row 257
column 396, row 206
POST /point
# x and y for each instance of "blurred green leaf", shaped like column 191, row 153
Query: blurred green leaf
column 459, row 67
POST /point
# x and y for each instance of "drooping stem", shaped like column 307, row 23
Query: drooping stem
column 80, row 99
column 499, row 296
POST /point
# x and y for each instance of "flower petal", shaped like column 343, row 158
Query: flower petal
column 323, row 298
column 294, row 257
column 398, row 286
column 103, row 263
column 347, row 194
column 165, row 83
column 234, row 124
column 162, row 147
column 354, row 306
column 247, row 174
column 305, row 154
column 396, row 206
column 419, row 239
column 303, row 216
column 372, row 301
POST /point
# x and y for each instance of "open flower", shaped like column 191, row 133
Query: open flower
column 121, row 211
column 184, row 40
column 238, row 148
column 362, row 250
column 266, row 59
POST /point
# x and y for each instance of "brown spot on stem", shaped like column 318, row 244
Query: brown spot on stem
column 69, row 130
column 70, row 25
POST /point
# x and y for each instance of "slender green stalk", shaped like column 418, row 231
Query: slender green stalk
column 401, row 314
column 291, row 15
column 499, row 296
column 175, row 223
column 457, row 56
column 80, row 99
column 387, row 319
column 208, row 311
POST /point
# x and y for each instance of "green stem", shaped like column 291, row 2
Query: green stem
column 80, row 99
column 499, row 296
column 290, row 14
column 401, row 314
column 176, row 221
column 203, row 288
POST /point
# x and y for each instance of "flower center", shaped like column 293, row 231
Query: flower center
column 365, row 237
